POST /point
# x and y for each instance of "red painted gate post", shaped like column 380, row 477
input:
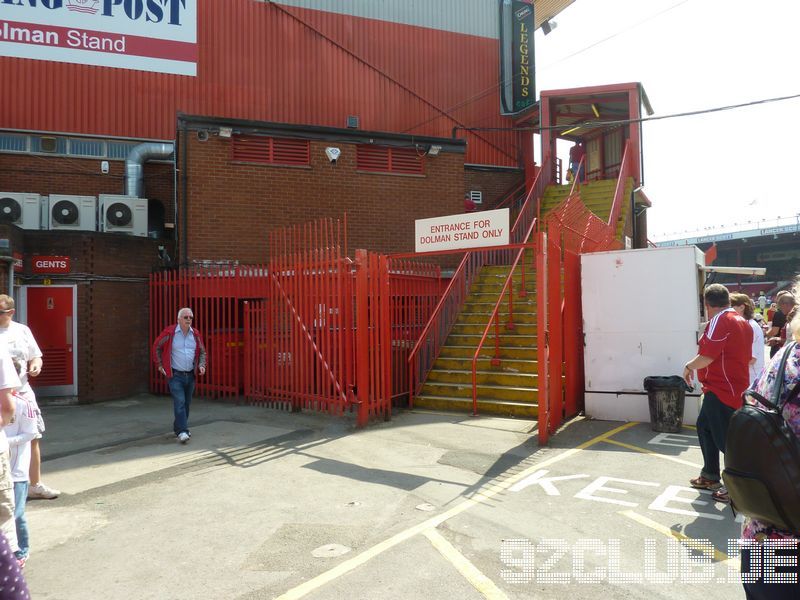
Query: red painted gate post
column 555, row 367
column 247, row 341
column 542, row 338
column 362, row 338
column 573, row 341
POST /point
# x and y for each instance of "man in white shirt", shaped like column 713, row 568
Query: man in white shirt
column 23, row 347
column 8, row 382
column 762, row 304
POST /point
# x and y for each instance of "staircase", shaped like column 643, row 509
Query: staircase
column 508, row 389
column 598, row 197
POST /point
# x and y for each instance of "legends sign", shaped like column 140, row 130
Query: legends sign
column 517, row 81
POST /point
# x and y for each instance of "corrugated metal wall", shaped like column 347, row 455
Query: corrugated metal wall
column 271, row 62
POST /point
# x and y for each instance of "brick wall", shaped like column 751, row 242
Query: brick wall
column 232, row 206
column 493, row 183
column 111, row 272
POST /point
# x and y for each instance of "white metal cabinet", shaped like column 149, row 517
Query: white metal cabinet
column 641, row 316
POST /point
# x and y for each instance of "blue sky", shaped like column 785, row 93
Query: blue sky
column 707, row 172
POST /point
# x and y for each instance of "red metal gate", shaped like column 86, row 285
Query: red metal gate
column 572, row 229
column 312, row 330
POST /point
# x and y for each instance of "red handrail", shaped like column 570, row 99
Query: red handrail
column 624, row 172
column 446, row 312
column 494, row 319
column 442, row 320
column 527, row 208
column 575, row 176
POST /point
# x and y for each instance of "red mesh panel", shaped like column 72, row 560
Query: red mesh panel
column 582, row 230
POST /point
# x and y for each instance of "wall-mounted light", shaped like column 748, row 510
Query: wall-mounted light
column 434, row 149
column 225, row 132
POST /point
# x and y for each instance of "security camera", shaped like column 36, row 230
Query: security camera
column 332, row 154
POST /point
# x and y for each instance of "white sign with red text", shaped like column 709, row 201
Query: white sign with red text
column 145, row 35
column 468, row 230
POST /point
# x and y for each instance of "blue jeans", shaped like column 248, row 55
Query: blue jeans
column 712, row 429
column 181, row 386
column 21, row 521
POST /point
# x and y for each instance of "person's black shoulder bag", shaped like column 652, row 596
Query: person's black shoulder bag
column 762, row 458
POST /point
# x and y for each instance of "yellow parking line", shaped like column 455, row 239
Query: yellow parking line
column 478, row 580
column 690, row 542
column 481, row 496
column 651, row 452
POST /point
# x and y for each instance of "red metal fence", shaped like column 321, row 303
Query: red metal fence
column 312, row 330
column 572, row 229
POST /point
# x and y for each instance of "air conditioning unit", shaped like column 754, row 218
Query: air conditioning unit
column 72, row 212
column 22, row 210
column 123, row 214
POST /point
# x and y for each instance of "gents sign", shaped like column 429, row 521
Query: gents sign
column 50, row 264
column 454, row 232
column 146, row 35
column 517, row 82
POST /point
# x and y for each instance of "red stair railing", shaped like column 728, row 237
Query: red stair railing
column 625, row 171
column 523, row 232
column 430, row 342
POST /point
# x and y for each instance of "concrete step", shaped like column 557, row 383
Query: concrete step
column 511, row 352
column 507, row 365
column 481, row 318
column 488, row 377
column 485, row 391
column 485, row 297
column 521, row 410
column 521, row 306
column 488, row 287
column 508, row 339
column 502, row 271
column 477, row 329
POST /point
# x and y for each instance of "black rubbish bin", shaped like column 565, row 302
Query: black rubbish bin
column 666, row 397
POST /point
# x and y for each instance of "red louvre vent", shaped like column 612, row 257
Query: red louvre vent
column 57, row 369
column 272, row 151
column 388, row 160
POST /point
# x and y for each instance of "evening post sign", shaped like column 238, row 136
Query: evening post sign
column 145, row 35
column 456, row 232
column 517, row 81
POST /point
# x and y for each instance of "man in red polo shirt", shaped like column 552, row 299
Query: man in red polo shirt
column 722, row 364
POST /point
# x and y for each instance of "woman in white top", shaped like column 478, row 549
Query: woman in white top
column 744, row 305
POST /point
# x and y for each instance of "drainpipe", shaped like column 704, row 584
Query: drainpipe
column 184, row 235
column 134, row 164
column 11, row 277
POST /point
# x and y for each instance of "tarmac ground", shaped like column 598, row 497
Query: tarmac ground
column 268, row 504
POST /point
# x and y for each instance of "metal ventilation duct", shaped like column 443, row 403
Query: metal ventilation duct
column 134, row 164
